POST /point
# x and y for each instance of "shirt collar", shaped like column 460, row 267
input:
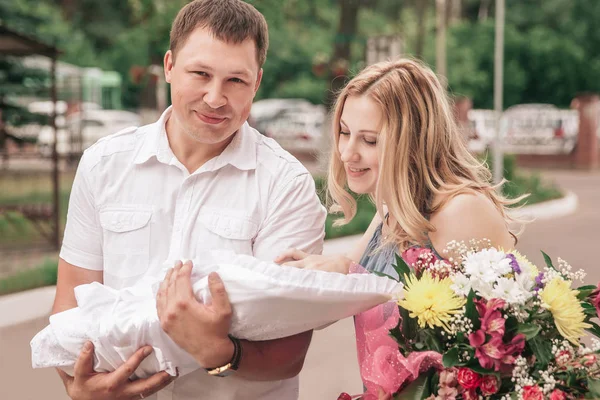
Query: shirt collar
column 154, row 142
column 240, row 153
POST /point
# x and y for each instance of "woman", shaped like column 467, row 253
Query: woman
column 395, row 139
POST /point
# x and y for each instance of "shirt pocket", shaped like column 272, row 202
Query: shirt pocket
column 126, row 235
column 227, row 229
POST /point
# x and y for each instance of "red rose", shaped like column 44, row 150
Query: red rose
column 558, row 395
column 532, row 393
column 489, row 385
column 468, row 378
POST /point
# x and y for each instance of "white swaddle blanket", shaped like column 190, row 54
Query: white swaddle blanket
column 269, row 301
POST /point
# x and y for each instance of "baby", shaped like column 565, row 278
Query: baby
column 269, row 301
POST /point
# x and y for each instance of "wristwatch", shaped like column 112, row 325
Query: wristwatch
column 231, row 366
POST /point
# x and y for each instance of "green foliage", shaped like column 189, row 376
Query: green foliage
column 550, row 45
column 43, row 275
column 360, row 223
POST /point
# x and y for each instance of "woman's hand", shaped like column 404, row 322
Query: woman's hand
column 300, row 259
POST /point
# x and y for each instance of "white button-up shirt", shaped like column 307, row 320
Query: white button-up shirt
column 133, row 206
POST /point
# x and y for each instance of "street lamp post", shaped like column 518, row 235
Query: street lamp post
column 498, row 167
column 440, row 43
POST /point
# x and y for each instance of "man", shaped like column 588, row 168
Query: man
column 197, row 179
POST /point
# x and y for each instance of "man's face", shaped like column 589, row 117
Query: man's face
column 212, row 85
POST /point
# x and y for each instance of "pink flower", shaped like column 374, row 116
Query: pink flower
column 448, row 377
column 563, row 358
column 470, row 395
column 447, row 393
column 489, row 385
column 468, row 379
column 589, row 359
column 595, row 297
column 532, row 393
column 413, row 254
column 514, row 348
column 495, row 354
column 492, row 321
column 558, row 394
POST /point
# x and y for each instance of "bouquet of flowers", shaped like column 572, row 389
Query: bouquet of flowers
column 482, row 323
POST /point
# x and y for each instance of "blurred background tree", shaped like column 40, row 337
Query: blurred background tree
column 550, row 54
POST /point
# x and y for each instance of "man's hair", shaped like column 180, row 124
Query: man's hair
column 231, row 21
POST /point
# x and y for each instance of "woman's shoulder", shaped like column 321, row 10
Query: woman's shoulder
column 466, row 216
column 465, row 202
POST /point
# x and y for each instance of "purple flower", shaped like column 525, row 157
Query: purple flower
column 538, row 282
column 514, row 263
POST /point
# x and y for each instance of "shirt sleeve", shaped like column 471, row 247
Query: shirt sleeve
column 82, row 242
column 296, row 218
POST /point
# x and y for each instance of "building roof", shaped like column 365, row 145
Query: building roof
column 17, row 44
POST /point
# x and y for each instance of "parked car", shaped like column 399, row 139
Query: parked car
column 527, row 129
column 81, row 130
column 296, row 124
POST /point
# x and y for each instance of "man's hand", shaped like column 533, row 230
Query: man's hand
column 199, row 329
column 85, row 384
column 300, row 259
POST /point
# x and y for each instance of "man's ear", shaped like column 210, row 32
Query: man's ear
column 168, row 62
column 258, row 80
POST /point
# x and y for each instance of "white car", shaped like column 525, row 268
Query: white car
column 82, row 130
column 296, row 124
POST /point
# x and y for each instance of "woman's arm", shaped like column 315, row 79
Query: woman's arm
column 332, row 263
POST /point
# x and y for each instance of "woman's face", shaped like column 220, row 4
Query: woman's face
column 360, row 124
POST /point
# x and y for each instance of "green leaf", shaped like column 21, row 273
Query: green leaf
column 474, row 365
column 471, row 311
column 585, row 291
column 409, row 325
column 398, row 336
column 594, row 387
column 588, row 309
column 384, row 275
column 529, row 330
column 401, row 268
column 594, row 330
column 511, row 325
column 450, row 358
column 418, row 389
column 542, row 350
column 431, row 340
column 548, row 261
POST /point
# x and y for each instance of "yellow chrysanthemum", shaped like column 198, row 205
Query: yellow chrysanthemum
column 431, row 300
column 562, row 302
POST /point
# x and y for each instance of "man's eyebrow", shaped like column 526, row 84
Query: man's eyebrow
column 235, row 72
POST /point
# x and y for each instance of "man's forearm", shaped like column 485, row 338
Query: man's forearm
column 273, row 360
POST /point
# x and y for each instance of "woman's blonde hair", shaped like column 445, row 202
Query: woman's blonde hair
column 422, row 153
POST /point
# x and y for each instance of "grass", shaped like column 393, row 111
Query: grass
column 28, row 188
column 519, row 184
column 42, row 275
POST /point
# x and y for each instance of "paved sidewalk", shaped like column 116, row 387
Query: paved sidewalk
column 331, row 366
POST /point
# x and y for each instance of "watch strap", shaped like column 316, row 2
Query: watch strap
column 232, row 365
